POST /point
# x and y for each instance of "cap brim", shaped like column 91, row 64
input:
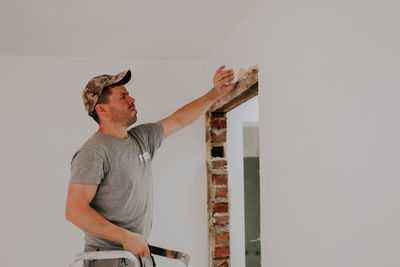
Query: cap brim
column 126, row 77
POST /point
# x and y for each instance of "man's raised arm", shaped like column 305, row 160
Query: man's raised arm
column 192, row 111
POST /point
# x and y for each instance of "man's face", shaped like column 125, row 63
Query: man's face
column 121, row 107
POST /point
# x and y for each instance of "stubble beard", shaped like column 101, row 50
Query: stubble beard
column 125, row 118
column 129, row 120
column 132, row 121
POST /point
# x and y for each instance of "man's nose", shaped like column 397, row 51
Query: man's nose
column 132, row 100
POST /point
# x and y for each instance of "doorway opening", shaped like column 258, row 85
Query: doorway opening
column 251, row 170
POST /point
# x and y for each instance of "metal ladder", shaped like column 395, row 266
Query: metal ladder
column 115, row 254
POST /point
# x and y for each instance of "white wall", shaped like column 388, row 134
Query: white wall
column 44, row 123
column 329, row 85
column 329, row 131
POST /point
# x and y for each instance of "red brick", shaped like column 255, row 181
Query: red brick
column 221, row 192
column 220, row 179
column 221, row 238
column 221, row 252
column 218, row 124
column 219, row 164
column 220, row 207
column 221, row 221
column 219, row 137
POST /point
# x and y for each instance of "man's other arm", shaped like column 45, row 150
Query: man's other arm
column 192, row 111
column 79, row 212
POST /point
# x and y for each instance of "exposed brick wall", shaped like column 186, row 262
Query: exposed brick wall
column 217, row 173
column 218, row 191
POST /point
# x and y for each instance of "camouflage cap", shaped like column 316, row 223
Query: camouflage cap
column 95, row 86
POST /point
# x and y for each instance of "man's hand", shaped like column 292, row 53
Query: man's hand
column 222, row 77
column 136, row 244
column 190, row 112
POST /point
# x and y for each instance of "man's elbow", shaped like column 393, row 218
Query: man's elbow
column 71, row 213
column 68, row 213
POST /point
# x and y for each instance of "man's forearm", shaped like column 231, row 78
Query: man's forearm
column 193, row 110
column 91, row 222
column 188, row 113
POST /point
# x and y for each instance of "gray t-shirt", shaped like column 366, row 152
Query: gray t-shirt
column 122, row 169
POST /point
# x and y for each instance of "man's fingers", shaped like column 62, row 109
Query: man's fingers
column 219, row 69
column 232, row 86
column 223, row 75
column 136, row 253
column 145, row 252
column 227, row 79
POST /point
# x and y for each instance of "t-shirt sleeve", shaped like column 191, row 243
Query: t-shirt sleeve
column 87, row 167
column 153, row 134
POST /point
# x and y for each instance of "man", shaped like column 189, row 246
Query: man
column 110, row 191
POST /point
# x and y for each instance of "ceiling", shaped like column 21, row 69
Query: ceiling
column 159, row 29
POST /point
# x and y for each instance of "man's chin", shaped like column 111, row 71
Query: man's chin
column 132, row 121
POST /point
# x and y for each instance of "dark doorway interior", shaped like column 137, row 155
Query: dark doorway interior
column 251, row 167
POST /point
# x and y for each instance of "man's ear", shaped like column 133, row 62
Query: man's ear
column 100, row 108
